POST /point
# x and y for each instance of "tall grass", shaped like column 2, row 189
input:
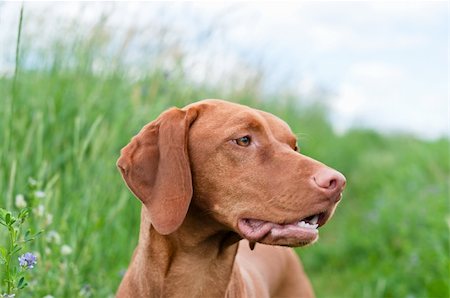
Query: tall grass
column 75, row 109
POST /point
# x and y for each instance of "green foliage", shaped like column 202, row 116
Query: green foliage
column 67, row 120
column 391, row 230
column 13, row 272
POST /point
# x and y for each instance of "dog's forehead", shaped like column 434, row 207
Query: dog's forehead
column 277, row 125
column 224, row 114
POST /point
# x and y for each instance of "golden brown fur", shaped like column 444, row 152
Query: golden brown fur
column 199, row 185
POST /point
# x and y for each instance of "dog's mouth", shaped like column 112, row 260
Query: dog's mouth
column 297, row 233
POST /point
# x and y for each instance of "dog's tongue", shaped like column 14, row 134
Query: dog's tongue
column 271, row 233
column 254, row 229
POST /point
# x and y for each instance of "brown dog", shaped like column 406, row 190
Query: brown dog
column 209, row 175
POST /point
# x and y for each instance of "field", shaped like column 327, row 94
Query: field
column 64, row 121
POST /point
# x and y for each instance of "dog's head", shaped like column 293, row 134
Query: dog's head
column 238, row 165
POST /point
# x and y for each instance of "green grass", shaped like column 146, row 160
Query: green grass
column 66, row 122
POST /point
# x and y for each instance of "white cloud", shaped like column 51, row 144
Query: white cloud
column 407, row 11
column 376, row 70
column 349, row 101
column 385, row 97
column 329, row 38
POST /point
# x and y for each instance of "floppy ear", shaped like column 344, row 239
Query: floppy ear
column 155, row 166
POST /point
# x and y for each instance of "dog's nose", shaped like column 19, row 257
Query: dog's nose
column 330, row 181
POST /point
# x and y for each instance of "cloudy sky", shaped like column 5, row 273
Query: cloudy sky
column 384, row 64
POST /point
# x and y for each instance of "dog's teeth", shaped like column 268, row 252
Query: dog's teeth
column 314, row 220
column 303, row 224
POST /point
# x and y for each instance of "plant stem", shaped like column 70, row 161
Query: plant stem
column 19, row 33
column 16, row 71
column 8, row 260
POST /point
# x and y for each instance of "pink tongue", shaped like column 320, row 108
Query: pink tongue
column 254, row 229
column 275, row 234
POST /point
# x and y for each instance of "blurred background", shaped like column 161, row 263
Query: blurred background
column 364, row 85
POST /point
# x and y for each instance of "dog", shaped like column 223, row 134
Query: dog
column 215, row 178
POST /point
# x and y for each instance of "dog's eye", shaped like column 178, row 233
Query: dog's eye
column 244, row 141
column 296, row 148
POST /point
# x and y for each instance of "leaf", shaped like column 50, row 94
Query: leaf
column 17, row 249
column 39, row 233
column 3, row 252
column 20, row 283
column 3, row 213
column 27, row 233
column 28, row 240
column 23, row 215
column 8, row 218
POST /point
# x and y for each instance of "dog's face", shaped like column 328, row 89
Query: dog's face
column 239, row 165
column 247, row 172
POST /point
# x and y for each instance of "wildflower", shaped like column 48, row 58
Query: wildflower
column 66, row 250
column 48, row 219
column 53, row 237
column 20, row 201
column 27, row 260
column 85, row 291
column 48, row 296
column 7, row 295
column 32, row 182
column 40, row 210
column 39, row 194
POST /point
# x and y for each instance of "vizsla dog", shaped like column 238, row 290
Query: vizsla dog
column 210, row 175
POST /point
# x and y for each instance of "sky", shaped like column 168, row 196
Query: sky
column 384, row 65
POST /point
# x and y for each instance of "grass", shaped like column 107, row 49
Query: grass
column 66, row 120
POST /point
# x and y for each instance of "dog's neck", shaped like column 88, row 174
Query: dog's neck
column 171, row 267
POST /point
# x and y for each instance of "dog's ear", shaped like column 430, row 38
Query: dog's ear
column 155, row 166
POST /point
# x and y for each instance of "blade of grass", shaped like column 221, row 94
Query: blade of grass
column 12, row 178
column 89, row 138
column 16, row 73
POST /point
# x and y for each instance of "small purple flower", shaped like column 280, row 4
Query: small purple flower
column 27, row 260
